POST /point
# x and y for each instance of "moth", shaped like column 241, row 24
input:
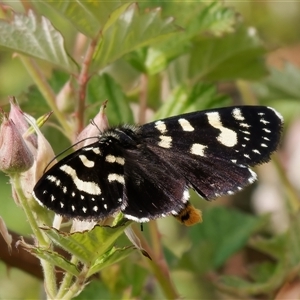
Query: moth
column 146, row 171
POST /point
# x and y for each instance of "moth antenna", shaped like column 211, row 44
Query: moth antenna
column 65, row 150
column 93, row 123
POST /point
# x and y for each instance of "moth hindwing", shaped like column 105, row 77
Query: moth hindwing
column 146, row 171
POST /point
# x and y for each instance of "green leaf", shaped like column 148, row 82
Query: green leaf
column 56, row 259
column 238, row 55
column 238, row 286
column 89, row 17
column 89, row 245
column 28, row 35
column 223, row 232
column 280, row 84
column 182, row 100
column 196, row 19
column 275, row 247
column 103, row 88
column 285, row 251
column 130, row 31
column 261, row 272
column 281, row 90
column 112, row 256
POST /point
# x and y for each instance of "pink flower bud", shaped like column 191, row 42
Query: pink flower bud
column 15, row 156
column 94, row 128
column 43, row 154
column 17, row 116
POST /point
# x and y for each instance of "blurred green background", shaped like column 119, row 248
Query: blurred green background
column 196, row 256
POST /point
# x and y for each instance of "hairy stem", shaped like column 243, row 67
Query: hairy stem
column 48, row 268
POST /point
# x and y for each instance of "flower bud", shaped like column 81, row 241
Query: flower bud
column 94, row 128
column 15, row 156
column 43, row 154
column 17, row 116
column 64, row 100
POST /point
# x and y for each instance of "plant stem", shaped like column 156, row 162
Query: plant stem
column 48, row 268
column 292, row 194
column 143, row 99
column 158, row 263
column 78, row 285
column 66, row 282
column 82, row 81
column 46, row 91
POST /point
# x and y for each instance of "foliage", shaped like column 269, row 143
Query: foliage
column 149, row 60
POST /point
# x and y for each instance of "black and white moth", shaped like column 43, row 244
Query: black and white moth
column 146, row 171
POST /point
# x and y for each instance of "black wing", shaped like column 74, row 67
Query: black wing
column 87, row 184
column 213, row 149
column 153, row 188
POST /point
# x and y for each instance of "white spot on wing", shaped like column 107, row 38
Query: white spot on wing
column 186, row 125
column 116, row 177
column 245, row 125
column 185, row 196
column 73, row 208
column 165, row 141
column 115, row 159
column 161, row 126
column 264, row 121
column 53, row 179
column 227, row 137
column 237, row 114
column 253, row 176
column 95, row 208
column 89, row 187
column 86, row 162
column 96, row 150
column 141, row 220
column 84, row 209
column 198, row 149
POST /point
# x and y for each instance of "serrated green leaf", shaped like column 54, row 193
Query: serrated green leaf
column 196, row 19
column 88, row 245
column 56, row 259
column 89, row 17
column 28, row 35
column 182, row 100
column 112, row 256
column 103, row 88
column 238, row 55
column 131, row 30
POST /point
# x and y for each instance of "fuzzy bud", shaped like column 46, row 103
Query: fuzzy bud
column 94, row 128
column 17, row 116
column 15, row 156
